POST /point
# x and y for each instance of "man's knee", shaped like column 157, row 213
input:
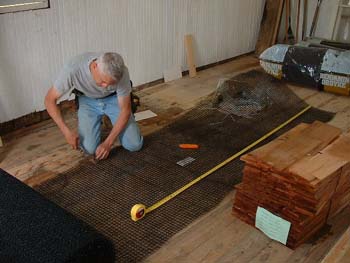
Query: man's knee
column 134, row 146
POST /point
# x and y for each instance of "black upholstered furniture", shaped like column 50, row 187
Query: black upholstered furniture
column 35, row 230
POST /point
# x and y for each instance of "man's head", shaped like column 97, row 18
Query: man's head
column 107, row 69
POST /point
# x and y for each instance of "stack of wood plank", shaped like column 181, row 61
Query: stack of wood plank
column 302, row 176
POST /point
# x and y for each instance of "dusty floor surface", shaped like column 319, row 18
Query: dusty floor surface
column 40, row 152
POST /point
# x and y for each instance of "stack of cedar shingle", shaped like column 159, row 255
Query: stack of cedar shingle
column 303, row 176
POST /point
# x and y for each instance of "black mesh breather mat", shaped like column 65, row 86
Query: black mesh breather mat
column 240, row 111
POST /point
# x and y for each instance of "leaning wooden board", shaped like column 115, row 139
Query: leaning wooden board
column 271, row 20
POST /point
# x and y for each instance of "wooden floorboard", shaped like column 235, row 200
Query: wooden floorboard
column 220, row 237
column 40, row 152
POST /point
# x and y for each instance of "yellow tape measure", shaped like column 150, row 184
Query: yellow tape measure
column 138, row 211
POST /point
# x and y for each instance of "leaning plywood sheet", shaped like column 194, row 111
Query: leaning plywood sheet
column 269, row 25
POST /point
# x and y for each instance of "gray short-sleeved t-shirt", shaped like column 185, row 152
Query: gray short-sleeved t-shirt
column 76, row 75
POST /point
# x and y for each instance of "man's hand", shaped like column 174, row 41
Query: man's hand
column 72, row 138
column 103, row 150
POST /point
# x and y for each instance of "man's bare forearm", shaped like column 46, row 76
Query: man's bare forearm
column 51, row 105
column 55, row 113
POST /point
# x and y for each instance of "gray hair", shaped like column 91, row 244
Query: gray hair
column 111, row 64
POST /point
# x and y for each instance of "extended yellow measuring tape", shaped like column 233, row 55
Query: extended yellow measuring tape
column 138, row 211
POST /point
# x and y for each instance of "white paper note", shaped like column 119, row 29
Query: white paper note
column 142, row 115
column 273, row 226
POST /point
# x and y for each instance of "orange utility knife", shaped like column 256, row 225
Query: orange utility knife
column 188, row 146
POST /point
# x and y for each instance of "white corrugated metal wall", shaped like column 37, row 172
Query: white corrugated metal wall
column 149, row 34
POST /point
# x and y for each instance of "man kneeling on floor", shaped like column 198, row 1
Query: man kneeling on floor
column 102, row 83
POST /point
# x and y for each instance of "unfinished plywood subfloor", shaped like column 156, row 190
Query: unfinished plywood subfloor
column 38, row 153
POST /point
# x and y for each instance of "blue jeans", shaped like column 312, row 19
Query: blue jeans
column 90, row 115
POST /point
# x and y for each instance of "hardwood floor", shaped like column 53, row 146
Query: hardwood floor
column 220, row 237
column 40, row 152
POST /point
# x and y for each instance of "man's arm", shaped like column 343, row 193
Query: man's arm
column 104, row 148
column 51, row 105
